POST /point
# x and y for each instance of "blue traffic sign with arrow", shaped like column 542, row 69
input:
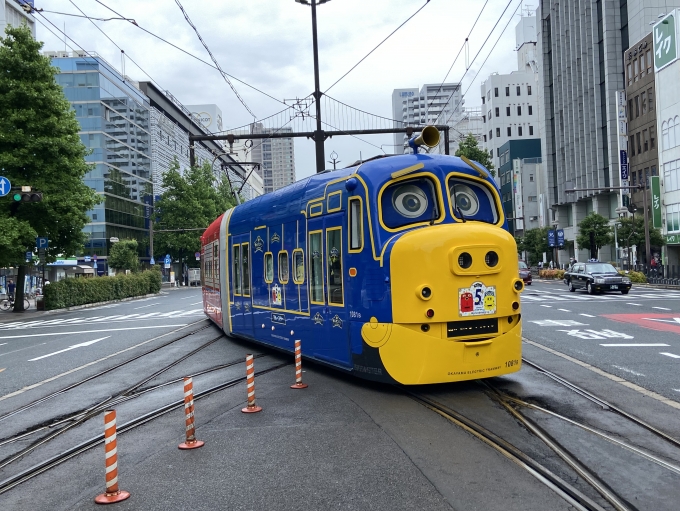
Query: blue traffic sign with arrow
column 5, row 186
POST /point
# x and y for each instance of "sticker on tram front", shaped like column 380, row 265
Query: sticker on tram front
column 477, row 300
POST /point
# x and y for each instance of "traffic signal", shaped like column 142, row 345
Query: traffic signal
column 26, row 194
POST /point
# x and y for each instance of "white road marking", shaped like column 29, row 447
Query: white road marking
column 636, row 304
column 21, row 349
column 628, row 370
column 661, row 308
column 636, row 345
column 81, row 345
column 549, row 306
column 564, row 310
column 3, row 344
column 145, row 306
column 89, row 331
column 670, row 355
column 676, row 390
column 199, row 303
column 587, row 315
column 557, row 322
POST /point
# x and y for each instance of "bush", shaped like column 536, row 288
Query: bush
column 551, row 274
column 635, row 276
column 70, row 292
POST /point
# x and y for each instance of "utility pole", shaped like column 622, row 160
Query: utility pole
column 319, row 135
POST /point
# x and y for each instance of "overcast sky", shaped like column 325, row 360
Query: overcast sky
column 268, row 44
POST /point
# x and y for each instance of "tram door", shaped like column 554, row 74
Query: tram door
column 241, row 311
column 328, row 311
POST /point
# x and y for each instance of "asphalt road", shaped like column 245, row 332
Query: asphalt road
column 634, row 336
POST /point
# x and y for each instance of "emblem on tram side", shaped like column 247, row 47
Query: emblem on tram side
column 237, row 306
column 277, row 295
column 246, row 306
column 259, row 243
column 275, row 238
column 278, row 318
column 336, row 321
column 318, row 319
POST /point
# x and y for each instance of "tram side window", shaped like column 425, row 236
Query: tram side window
column 268, row 268
column 237, row 269
column 246, row 268
column 298, row 266
column 216, row 261
column 283, row 267
column 316, row 267
column 334, row 248
column 356, row 235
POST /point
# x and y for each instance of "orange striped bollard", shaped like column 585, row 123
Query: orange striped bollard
column 298, row 367
column 250, row 382
column 190, row 442
column 113, row 494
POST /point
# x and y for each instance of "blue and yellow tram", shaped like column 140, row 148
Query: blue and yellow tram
column 400, row 269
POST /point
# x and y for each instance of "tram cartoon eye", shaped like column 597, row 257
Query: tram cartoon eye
column 409, row 202
column 472, row 200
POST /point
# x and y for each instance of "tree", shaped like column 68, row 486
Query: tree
column 535, row 243
column 630, row 234
column 191, row 201
column 597, row 225
column 470, row 149
column 39, row 147
column 123, row 255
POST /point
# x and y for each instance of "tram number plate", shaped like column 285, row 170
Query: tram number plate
column 613, row 287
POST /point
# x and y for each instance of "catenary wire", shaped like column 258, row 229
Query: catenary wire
column 212, row 57
column 88, row 17
column 378, row 46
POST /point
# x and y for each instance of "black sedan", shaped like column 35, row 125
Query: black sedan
column 596, row 277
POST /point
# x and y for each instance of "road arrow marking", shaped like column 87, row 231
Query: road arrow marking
column 81, row 345
column 670, row 355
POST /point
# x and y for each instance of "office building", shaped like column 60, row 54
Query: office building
column 432, row 104
column 276, row 155
column 470, row 123
column 13, row 14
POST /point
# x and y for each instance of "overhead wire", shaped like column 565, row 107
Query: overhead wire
column 224, row 75
column 378, row 46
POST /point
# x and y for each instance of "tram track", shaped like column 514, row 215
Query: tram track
column 64, row 456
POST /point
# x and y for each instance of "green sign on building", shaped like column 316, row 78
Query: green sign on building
column 673, row 239
column 665, row 50
column 656, row 202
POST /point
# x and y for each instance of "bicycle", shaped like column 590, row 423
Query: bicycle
column 8, row 304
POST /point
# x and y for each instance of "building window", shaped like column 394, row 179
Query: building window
column 637, row 69
column 490, row 134
column 507, row 91
column 531, row 130
column 652, row 137
column 637, row 106
column 630, row 110
column 645, row 140
column 498, row 149
column 483, row 100
column 509, row 131
column 519, row 90
column 519, row 131
column 507, row 111
column 484, row 138
column 489, row 115
column 498, row 132
column 649, row 61
column 631, row 143
column 634, row 181
column 654, row 172
column 495, row 91
column 639, row 144
column 531, row 178
column 484, row 118
column 643, row 95
column 650, row 98
column 528, row 90
column 630, row 73
column 532, row 198
column 519, row 110
column 664, row 135
column 647, row 178
column 498, row 112
column 531, row 110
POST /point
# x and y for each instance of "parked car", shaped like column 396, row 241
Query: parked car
column 525, row 273
column 596, row 277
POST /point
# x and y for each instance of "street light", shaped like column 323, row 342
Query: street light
column 319, row 135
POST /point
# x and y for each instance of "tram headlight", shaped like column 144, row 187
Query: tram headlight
column 491, row 259
column 424, row 292
column 465, row 260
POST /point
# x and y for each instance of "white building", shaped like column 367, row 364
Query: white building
column 13, row 14
column 510, row 101
column 210, row 116
column 276, row 155
column 470, row 123
column 435, row 103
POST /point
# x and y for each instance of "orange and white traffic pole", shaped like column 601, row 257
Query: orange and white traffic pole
column 112, row 494
column 190, row 442
column 250, row 383
column 298, row 367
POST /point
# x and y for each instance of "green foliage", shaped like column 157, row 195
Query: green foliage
column 39, row 147
column 598, row 224
column 190, row 201
column 71, row 292
column 470, row 149
column 551, row 274
column 123, row 255
column 535, row 243
column 636, row 277
column 630, row 234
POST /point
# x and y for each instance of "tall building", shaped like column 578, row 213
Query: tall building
column 435, row 103
column 13, row 14
column 134, row 132
column 510, row 101
column 277, row 156
column 470, row 123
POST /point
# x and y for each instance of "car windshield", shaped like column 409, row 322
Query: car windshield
column 600, row 268
column 522, row 265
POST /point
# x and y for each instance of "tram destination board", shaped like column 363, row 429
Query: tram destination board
column 471, row 327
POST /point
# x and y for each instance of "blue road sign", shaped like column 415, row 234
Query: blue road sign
column 5, row 186
column 87, row 259
column 551, row 238
column 152, row 262
column 29, row 256
column 560, row 237
column 168, row 260
column 41, row 242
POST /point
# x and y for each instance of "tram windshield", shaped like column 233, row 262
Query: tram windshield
column 471, row 200
column 409, row 202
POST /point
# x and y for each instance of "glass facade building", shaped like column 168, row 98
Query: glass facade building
column 114, row 118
